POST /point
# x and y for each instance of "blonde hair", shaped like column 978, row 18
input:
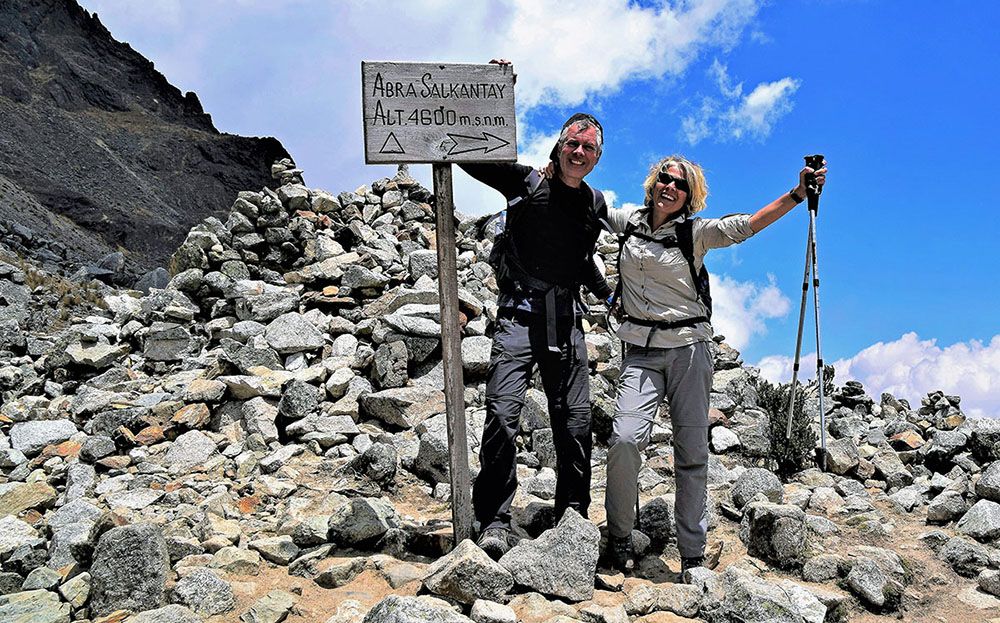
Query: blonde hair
column 694, row 175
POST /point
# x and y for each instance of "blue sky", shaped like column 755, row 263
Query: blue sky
column 897, row 95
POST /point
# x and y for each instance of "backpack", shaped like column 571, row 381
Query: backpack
column 510, row 273
column 683, row 240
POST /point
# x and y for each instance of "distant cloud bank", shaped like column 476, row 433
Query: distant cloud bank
column 909, row 367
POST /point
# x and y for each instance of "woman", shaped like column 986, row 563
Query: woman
column 668, row 337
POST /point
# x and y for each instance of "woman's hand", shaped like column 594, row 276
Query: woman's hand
column 800, row 190
column 783, row 204
column 548, row 171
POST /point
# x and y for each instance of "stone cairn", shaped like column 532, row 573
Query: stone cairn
column 278, row 406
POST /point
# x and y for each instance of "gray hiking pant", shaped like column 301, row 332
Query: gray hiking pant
column 684, row 376
column 521, row 341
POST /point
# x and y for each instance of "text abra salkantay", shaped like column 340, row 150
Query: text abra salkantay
column 427, row 88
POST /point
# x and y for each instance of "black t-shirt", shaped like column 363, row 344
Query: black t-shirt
column 555, row 232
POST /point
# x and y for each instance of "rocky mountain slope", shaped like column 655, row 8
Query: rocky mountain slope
column 98, row 152
column 263, row 440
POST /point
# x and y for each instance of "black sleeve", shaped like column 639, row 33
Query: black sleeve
column 506, row 177
column 596, row 283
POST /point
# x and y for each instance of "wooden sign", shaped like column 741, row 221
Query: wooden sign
column 432, row 112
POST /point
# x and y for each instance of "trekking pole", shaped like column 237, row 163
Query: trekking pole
column 798, row 335
column 813, row 192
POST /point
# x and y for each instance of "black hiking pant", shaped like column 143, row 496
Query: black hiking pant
column 519, row 343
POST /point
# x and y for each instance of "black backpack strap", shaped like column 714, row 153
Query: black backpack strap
column 532, row 181
column 622, row 238
column 685, row 242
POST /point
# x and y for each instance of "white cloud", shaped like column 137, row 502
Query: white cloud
column 740, row 308
column 615, row 40
column 753, row 115
column 291, row 69
column 910, row 368
column 721, row 73
column 757, row 113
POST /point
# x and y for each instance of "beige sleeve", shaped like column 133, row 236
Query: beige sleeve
column 716, row 233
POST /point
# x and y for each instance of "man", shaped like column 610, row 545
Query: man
column 552, row 230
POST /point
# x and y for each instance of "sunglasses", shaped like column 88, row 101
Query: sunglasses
column 680, row 183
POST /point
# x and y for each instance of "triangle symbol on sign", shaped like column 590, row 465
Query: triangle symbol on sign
column 391, row 145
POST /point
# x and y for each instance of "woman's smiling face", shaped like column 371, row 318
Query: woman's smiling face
column 667, row 197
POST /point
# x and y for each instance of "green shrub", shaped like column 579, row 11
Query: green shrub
column 789, row 454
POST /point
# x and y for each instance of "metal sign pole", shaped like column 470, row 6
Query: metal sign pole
column 451, row 353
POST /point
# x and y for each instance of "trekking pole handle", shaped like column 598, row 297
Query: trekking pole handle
column 813, row 190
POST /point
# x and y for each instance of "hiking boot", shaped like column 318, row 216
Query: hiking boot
column 619, row 554
column 495, row 542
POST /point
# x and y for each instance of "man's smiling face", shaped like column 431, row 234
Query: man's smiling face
column 579, row 154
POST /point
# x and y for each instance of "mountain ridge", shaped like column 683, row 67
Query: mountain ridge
column 100, row 137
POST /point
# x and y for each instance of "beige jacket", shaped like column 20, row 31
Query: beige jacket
column 657, row 281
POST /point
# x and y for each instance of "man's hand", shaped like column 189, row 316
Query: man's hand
column 503, row 63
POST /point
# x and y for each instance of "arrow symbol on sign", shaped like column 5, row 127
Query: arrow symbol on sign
column 465, row 144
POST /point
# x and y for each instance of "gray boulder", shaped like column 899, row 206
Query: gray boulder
column 71, row 528
column 753, row 428
column 34, row 606
column 167, row 341
column 390, row 366
column 362, row 521
column 291, row 333
column 560, row 562
column 657, row 519
column 396, row 609
column 423, row 262
column 404, row 407
column 130, row 570
column 378, row 462
column 873, row 585
column 15, row 533
column 173, row 613
column 756, row 481
column 748, row 599
column 205, row 593
column 681, row 599
column 190, row 450
column 891, row 469
column 31, row 437
column 988, row 486
column 982, row 521
column 985, row 440
column 776, row 533
column 271, row 608
column 946, row 506
column 989, row 581
column 484, row 611
column 467, row 574
column 841, row 455
column 299, row 399
column 964, row 555
column 476, row 354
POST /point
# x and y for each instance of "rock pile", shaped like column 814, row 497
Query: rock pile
column 276, row 410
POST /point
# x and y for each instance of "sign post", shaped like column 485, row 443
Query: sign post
column 442, row 113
